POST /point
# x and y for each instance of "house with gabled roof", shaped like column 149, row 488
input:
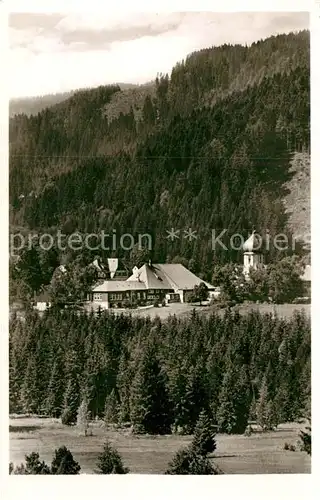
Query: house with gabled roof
column 42, row 301
column 148, row 284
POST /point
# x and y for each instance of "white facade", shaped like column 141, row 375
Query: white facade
column 251, row 260
column 252, row 257
column 42, row 306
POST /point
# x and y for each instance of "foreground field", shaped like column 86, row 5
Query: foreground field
column 256, row 454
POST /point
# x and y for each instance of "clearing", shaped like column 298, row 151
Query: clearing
column 178, row 309
column 260, row 453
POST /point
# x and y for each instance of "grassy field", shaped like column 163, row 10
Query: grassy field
column 282, row 310
column 178, row 309
column 256, row 454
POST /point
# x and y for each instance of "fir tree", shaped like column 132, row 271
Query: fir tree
column 111, row 408
column 34, row 466
column 14, row 385
column 64, row 463
column 151, row 410
column 29, row 392
column 71, row 402
column 110, row 462
column 264, row 408
column 83, row 417
column 305, row 437
column 204, row 435
column 234, row 401
column 54, row 400
column 189, row 462
column 31, row 466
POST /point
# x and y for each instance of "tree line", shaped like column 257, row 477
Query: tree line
column 159, row 376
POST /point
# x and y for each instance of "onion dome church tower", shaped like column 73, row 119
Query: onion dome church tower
column 252, row 256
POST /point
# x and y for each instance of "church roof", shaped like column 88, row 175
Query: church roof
column 253, row 243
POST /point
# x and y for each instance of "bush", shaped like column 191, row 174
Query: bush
column 289, row 447
column 248, row 430
column 189, row 462
column 306, row 440
column 110, row 462
column 34, row 466
column 19, row 469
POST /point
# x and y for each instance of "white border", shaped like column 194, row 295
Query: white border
column 153, row 487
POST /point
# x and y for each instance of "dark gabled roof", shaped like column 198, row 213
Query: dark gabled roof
column 152, row 276
column 43, row 297
column 168, row 277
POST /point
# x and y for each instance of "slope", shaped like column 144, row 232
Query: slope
column 181, row 164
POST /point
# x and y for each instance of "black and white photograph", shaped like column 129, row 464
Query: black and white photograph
column 159, row 243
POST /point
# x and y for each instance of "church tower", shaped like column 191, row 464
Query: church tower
column 252, row 256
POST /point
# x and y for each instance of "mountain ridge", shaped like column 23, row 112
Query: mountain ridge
column 204, row 150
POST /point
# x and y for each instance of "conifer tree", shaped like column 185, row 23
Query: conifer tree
column 110, row 462
column 305, row 437
column 64, row 463
column 264, row 408
column 29, row 393
column 234, row 401
column 204, row 434
column 54, row 400
column 111, row 408
column 189, row 462
column 14, row 384
column 71, row 402
column 83, row 417
column 34, row 466
column 123, row 388
column 194, row 399
column 150, row 407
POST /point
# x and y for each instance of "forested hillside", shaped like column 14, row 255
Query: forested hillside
column 209, row 147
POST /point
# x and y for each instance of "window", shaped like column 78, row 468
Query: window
column 97, row 296
column 115, row 296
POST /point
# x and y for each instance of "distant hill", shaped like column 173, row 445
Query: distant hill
column 210, row 146
column 33, row 105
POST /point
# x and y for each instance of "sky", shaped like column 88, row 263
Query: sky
column 51, row 53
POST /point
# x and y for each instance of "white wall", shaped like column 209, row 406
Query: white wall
column 42, row 306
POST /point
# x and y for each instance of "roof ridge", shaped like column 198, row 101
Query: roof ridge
column 170, row 280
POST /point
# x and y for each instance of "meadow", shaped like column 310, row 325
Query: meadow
column 260, row 453
column 281, row 310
